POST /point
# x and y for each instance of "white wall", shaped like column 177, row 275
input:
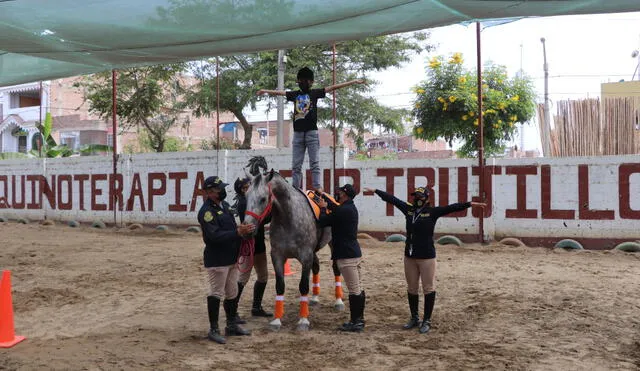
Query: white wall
column 556, row 190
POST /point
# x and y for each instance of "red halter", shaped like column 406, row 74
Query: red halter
column 266, row 211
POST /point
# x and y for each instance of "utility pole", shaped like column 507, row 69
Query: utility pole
column 281, row 69
column 521, row 75
column 546, row 149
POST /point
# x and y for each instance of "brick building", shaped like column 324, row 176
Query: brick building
column 71, row 111
column 264, row 135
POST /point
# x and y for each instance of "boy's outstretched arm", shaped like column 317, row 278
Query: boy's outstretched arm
column 271, row 92
column 331, row 88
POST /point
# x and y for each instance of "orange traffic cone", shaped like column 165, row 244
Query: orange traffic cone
column 8, row 336
column 287, row 268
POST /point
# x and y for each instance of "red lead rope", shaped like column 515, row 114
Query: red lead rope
column 248, row 246
column 266, row 211
column 245, row 260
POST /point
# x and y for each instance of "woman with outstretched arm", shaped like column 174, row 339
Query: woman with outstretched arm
column 420, row 251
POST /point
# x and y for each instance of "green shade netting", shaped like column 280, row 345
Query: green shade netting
column 45, row 39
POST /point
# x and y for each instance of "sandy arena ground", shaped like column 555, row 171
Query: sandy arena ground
column 132, row 300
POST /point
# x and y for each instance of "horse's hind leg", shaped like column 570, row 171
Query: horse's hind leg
column 338, row 304
column 303, row 323
column 278, row 267
column 315, row 270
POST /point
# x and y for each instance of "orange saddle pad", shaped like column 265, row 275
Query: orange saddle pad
column 313, row 198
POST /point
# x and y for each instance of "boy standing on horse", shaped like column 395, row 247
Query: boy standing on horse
column 222, row 239
column 305, row 123
column 420, row 252
column 346, row 252
column 259, row 263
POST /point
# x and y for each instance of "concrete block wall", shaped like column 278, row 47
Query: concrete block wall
column 591, row 199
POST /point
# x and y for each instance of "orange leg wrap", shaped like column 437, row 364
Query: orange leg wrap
column 338, row 287
column 316, row 284
column 304, row 306
column 279, row 312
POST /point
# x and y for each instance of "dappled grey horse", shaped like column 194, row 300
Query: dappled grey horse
column 293, row 233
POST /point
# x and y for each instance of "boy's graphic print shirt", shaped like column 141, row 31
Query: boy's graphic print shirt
column 305, row 111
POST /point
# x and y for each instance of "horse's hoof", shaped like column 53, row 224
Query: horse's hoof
column 314, row 300
column 275, row 324
column 303, row 324
column 339, row 305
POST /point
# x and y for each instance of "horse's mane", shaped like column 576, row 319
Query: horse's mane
column 255, row 164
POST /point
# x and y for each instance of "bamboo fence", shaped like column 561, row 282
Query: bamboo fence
column 593, row 128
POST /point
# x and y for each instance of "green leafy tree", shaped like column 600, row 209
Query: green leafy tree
column 239, row 81
column 446, row 105
column 147, row 98
column 356, row 109
column 241, row 76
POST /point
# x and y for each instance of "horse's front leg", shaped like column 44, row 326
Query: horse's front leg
column 315, row 269
column 278, row 267
column 303, row 322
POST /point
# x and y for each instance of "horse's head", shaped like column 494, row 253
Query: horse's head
column 260, row 198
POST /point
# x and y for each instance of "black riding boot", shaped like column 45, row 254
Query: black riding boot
column 429, row 302
column 359, row 324
column 213, row 307
column 356, row 307
column 363, row 301
column 258, row 293
column 239, row 320
column 233, row 328
column 413, row 307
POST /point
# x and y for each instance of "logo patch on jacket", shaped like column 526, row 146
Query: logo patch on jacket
column 208, row 216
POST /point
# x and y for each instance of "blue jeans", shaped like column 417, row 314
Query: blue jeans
column 310, row 141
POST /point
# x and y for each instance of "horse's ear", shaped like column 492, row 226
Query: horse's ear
column 270, row 175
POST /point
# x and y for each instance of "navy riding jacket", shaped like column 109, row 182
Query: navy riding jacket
column 220, row 235
column 420, row 224
column 343, row 221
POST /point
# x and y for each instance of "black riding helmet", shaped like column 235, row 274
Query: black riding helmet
column 421, row 191
column 214, row 182
column 239, row 183
column 349, row 190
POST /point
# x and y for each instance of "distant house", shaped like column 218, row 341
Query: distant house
column 19, row 115
column 21, row 107
column 265, row 134
column 73, row 124
column 404, row 143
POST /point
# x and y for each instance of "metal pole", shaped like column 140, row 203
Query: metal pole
column 114, row 128
column 217, row 113
column 480, row 135
column 335, row 94
column 280, row 108
column 39, row 140
column 546, row 150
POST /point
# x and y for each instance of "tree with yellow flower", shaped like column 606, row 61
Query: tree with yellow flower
column 446, row 105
